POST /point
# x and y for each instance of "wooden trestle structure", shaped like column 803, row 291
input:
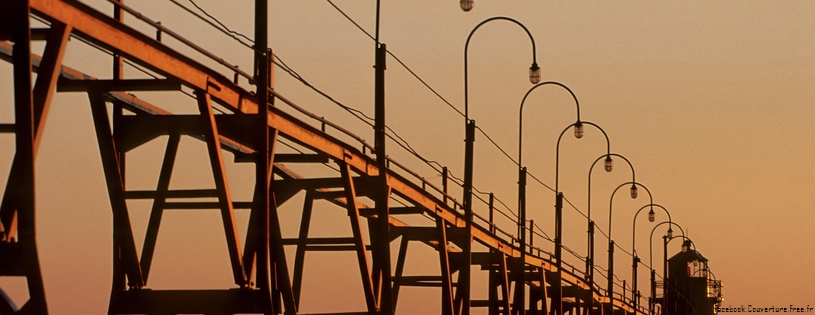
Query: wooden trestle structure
column 135, row 122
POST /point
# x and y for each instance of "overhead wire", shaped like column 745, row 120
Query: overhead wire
column 483, row 132
column 224, row 30
column 394, row 136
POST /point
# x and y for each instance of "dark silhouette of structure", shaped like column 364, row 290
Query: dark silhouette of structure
column 690, row 288
column 250, row 126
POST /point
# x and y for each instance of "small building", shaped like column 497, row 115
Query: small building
column 690, row 288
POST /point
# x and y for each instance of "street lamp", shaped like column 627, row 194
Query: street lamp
column 522, row 174
column 607, row 165
column 466, row 5
column 534, row 72
column 611, row 242
column 590, row 256
column 665, row 256
column 686, row 246
column 636, row 260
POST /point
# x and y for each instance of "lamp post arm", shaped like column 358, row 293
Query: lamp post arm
column 557, row 153
column 651, row 239
column 467, row 45
column 591, row 169
column 652, row 205
column 521, row 112
column 611, row 202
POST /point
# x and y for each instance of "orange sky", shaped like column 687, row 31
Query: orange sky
column 711, row 102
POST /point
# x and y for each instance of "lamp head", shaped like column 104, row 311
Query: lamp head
column 670, row 233
column 466, row 5
column 534, row 72
column 651, row 215
column 608, row 164
column 635, row 193
column 685, row 246
column 578, row 130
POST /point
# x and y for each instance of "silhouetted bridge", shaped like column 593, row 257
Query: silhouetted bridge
column 264, row 282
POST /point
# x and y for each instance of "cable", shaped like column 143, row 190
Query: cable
column 575, row 208
column 393, row 135
column 351, row 20
column 425, row 83
column 221, row 24
column 224, row 30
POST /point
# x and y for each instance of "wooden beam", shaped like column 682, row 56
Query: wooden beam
column 222, row 187
column 361, row 250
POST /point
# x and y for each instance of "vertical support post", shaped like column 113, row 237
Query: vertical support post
column 24, row 119
column 382, row 245
column 43, row 91
column 611, row 276
column 557, row 297
column 494, row 272
column 492, row 213
column 118, row 74
column 652, row 299
column 444, row 179
column 634, row 282
column 520, row 278
column 262, row 156
column 665, row 299
column 531, row 235
column 589, row 301
column 463, row 286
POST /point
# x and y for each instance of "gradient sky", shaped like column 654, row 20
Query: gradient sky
column 710, row 101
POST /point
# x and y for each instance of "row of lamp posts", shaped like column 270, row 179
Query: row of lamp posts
column 608, row 163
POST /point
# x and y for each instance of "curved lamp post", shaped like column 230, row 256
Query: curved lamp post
column 611, row 242
column 608, row 165
column 636, row 260
column 522, row 175
column 669, row 235
column 590, row 256
column 685, row 247
column 534, row 77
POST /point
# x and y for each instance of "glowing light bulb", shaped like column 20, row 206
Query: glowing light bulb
column 609, row 164
column 578, row 130
column 467, row 5
column 534, row 73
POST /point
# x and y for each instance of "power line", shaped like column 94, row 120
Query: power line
column 393, row 135
column 222, row 28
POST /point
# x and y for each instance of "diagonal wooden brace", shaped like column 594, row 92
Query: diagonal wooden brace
column 224, row 199
column 362, row 254
column 124, row 245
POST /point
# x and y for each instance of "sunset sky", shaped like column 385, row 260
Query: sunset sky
column 710, row 101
